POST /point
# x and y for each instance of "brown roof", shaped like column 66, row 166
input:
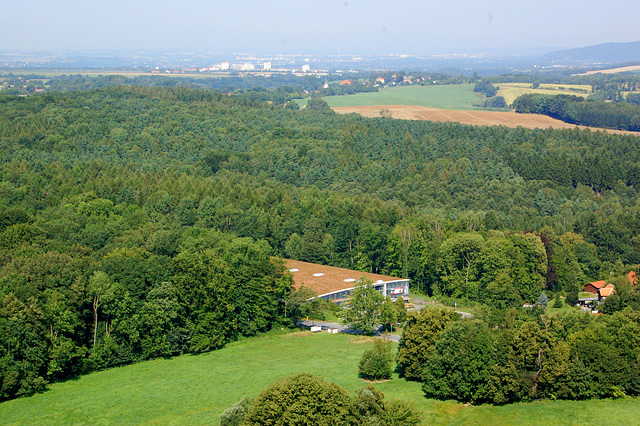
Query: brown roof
column 327, row 279
column 598, row 284
column 633, row 278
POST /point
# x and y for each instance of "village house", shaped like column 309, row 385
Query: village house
column 601, row 290
column 594, row 287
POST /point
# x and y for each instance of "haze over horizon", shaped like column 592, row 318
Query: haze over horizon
column 332, row 26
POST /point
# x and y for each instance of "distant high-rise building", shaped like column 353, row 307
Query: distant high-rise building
column 224, row 65
column 305, row 68
column 267, row 66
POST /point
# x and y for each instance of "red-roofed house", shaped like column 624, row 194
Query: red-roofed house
column 348, row 82
column 633, row 278
column 594, row 287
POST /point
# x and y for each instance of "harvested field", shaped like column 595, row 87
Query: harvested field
column 613, row 70
column 510, row 91
column 475, row 118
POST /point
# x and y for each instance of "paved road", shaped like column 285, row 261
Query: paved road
column 419, row 304
column 344, row 329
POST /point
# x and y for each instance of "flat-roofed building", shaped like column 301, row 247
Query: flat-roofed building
column 335, row 284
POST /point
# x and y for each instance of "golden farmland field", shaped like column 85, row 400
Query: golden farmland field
column 612, row 70
column 475, row 118
column 510, row 91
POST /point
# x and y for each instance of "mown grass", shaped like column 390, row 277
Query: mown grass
column 451, row 97
column 196, row 389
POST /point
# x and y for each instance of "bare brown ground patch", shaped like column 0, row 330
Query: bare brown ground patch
column 364, row 339
column 475, row 118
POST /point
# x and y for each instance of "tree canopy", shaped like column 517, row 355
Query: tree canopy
column 143, row 222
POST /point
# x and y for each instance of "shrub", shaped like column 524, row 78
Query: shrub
column 371, row 409
column 302, row 399
column 572, row 298
column 376, row 363
column 305, row 399
column 234, row 416
column 400, row 413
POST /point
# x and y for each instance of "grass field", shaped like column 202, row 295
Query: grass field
column 510, row 91
column 196, row 389
column 458, row 97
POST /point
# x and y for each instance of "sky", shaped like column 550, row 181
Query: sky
column 323, row 26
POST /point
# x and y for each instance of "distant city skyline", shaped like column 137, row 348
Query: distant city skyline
column 327, row 26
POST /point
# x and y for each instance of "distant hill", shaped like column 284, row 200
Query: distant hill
column 612, row 53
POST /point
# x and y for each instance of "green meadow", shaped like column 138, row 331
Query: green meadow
column 196, row 389
column 452, row 97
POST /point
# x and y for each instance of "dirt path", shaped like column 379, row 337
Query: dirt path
column 476, row 118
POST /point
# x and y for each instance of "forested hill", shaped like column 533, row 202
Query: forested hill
column 124, row 212
column 601, row 53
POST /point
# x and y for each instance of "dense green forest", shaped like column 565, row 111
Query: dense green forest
column 140, row 222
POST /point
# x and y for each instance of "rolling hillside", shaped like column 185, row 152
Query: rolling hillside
column 602, row 53
column 196, row 389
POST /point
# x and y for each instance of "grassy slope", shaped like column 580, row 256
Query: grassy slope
column 196, row 389
column 452, row 97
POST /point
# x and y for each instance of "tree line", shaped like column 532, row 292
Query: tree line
column 577, row 110
column 522, row 355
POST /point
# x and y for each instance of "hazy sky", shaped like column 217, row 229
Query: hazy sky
column 349, row 27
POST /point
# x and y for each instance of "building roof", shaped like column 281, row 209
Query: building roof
column 328, row 279
column 607, row 291
column 633, row 278
column 598, row 284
